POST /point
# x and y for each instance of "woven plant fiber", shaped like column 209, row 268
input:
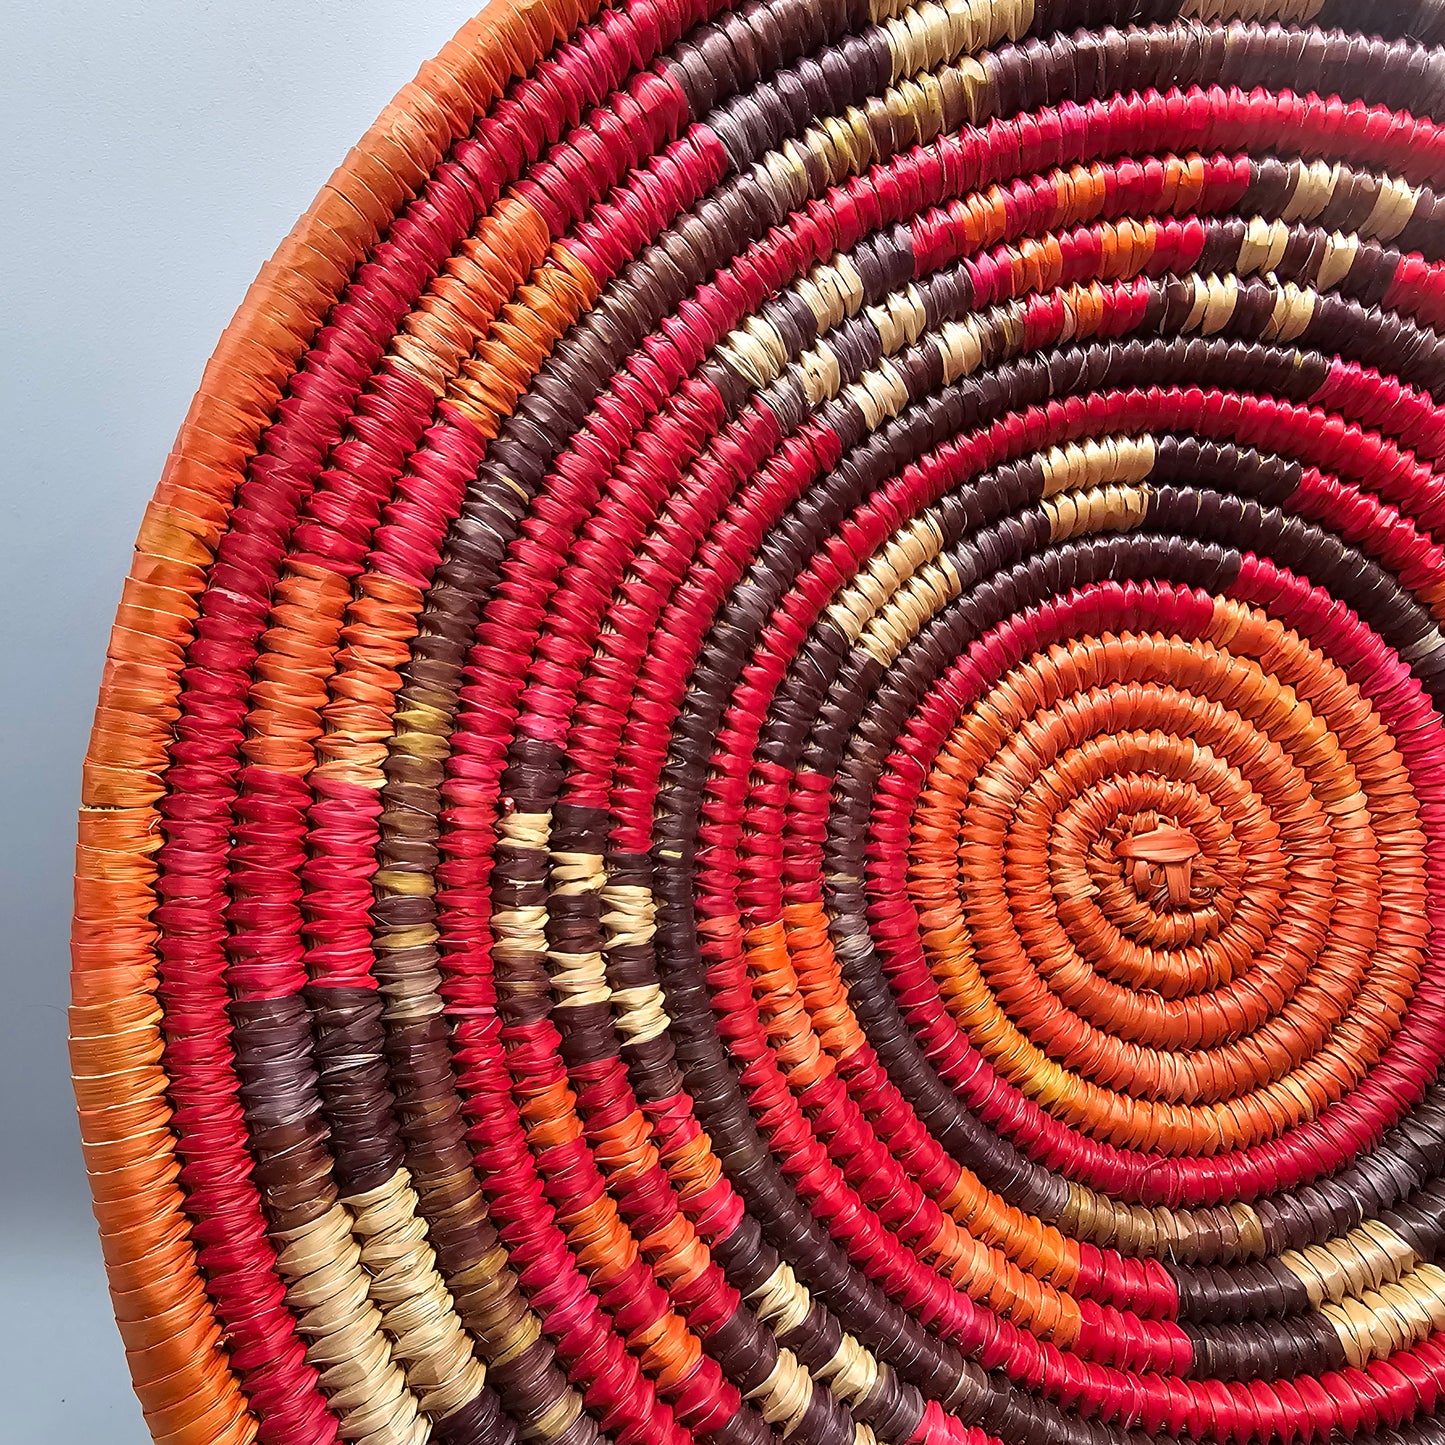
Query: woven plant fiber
column 773, row 767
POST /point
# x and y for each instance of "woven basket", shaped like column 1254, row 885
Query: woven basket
column 772, row 768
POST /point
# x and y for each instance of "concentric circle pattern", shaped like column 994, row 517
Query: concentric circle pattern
column 773, row 768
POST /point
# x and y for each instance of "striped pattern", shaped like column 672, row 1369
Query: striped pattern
column 772, row 767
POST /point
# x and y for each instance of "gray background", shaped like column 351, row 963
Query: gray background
column 154, row 154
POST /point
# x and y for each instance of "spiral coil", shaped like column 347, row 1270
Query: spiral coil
column 771, row 766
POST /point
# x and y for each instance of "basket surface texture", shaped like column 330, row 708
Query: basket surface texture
column 773, row 765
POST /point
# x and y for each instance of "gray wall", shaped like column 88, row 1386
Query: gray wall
column 153, row 155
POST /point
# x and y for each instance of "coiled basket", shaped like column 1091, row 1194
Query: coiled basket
column 773, row 766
